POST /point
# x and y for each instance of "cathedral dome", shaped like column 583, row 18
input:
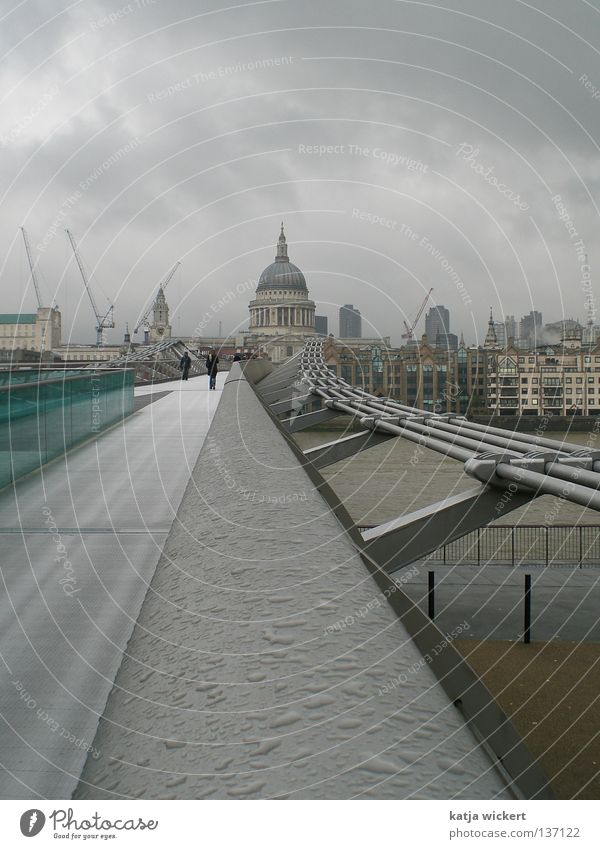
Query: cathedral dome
column 282, row 274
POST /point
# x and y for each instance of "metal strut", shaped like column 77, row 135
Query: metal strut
column 512, row 468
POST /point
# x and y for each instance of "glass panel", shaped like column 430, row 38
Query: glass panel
column 42, row 415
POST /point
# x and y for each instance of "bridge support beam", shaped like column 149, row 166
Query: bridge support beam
column 303, row 421
column 341, row 449
column 288, row 405
column 401, row 541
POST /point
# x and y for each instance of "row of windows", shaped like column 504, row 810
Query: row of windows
column 531, row 360
column 547, row 381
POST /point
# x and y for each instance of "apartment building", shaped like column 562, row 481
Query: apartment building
column 558, row 380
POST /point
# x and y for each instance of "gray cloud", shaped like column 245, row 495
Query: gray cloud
column 216, row 108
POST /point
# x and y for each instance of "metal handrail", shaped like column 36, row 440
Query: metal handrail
column 582, row 544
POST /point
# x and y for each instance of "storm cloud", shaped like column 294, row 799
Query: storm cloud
column 406, row 145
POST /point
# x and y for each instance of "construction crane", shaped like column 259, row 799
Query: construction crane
column 34, row 279
column 410, row 328
column 144, row 319
column 103, row 322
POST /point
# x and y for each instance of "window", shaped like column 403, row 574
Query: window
column 535, row 380
column 569, row 379
column 534, row 401
column 579, row 379
column 531, row 360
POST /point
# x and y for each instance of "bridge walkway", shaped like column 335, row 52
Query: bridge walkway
column 266, row 661
column 80, row 542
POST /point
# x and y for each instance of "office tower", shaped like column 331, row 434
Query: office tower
column 511, row 327
column 500, row 328
column 530, row 327
column 437, row 323
column 350, row 322
column 321, row 325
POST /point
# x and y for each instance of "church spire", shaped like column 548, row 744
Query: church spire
column 491, row 340
column 282, row 254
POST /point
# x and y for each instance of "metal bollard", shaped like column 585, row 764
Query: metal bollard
column 527, row 610
column 431, row 595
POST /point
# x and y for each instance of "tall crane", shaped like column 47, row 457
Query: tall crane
column 34, row 279
column 410, row 328
column 103, row 322
column 144, row 319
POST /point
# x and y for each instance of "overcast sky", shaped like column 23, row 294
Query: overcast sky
column 441, row 135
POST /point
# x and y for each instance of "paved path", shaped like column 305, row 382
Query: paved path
column 265, row 661
column 79, row 545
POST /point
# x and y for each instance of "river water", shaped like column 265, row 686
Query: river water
column 399, row 476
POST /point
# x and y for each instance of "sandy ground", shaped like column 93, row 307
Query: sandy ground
column 551, row 691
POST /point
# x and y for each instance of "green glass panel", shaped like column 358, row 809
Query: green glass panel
column 44, row 414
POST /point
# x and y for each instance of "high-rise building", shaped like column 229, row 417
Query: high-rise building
column 437, row 323
column 446, row 341
column 530, row 326
column 350, row 322
column 511, row 327
column 321, row 325
column 500, row 328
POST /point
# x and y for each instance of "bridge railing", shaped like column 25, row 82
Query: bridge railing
column 516, row 545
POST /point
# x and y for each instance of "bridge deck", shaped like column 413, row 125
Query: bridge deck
column 70, row 598
column 265, row 661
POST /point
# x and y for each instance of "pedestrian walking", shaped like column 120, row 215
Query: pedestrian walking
column 212, row 367
column 184, row 364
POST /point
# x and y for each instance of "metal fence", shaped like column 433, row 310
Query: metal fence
column 549, row 545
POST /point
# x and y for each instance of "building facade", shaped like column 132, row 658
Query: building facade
column 75, row 353
column 39, row 331
column 563, row 380
column 420, row 375
column 560, row 380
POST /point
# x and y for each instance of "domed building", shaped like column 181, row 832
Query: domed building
column 281, row 314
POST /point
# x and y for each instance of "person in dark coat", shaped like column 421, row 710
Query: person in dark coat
column 237, row 358
column 212, row 367
column 184, row 364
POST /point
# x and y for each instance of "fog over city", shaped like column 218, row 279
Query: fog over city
column 405, row 145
